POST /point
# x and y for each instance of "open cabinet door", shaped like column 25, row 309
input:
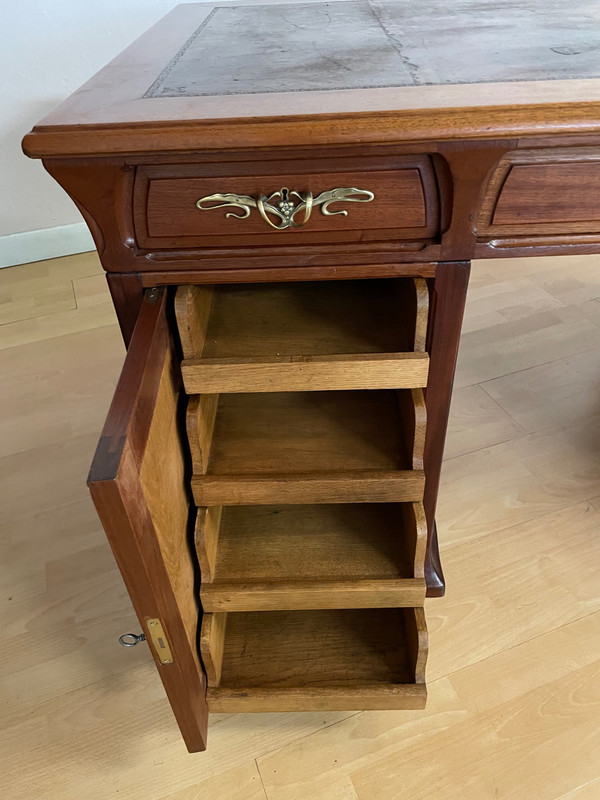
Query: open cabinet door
column 140, row 489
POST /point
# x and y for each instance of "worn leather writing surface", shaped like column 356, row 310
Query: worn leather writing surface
column 362, row 44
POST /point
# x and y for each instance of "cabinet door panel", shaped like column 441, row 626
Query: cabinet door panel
column 140, row 490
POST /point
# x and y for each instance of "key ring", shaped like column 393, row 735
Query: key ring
column 131, row 639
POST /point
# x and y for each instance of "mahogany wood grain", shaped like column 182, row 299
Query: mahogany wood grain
column 470, row 164
column 542, row 195
column 166, row 208
column 292, row 241
column 127, row 295
column 405, row 206
column 112, row 115
column 562, row 196
column 449, row 292
column 505, row 166
column 104, row 195
column 328, row 250
column 145, row 510
column 103, row 190
column 524, row 246
column 523, row 110
column 258, row 274
column 112, row 128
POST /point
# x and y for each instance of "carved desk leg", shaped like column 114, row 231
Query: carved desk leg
column 127, row 294
column 448, row 295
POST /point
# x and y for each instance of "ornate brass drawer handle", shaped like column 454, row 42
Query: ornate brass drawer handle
column 284, row 205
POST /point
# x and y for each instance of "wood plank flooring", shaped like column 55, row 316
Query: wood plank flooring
column 514, row 666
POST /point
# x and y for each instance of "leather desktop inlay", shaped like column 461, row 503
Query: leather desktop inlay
column 362, row 44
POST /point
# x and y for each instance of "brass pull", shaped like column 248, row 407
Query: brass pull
column 285, row 205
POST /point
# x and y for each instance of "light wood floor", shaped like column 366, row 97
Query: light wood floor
column 514, row 670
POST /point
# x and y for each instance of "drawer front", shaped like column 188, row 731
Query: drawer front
column 542, row 193
column 182, row 206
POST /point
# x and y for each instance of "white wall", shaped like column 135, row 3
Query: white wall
column 48, row 48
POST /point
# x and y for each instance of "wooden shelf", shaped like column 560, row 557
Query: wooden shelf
column 304, row 336
column 315, row 602
column 257, row 558
column 307, row 447
column 314, row 660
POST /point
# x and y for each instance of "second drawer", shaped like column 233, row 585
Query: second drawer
column 307, row 447
column 260, row 558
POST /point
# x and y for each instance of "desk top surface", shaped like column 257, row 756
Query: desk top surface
column 437, row 69
column 372, row 44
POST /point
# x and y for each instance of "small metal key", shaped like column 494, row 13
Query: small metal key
column 131, row 639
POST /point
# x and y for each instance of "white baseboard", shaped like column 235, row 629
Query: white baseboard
column 21, row 248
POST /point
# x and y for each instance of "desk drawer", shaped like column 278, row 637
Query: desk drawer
column 542, row 196
column 344, row 660
column 354, row 555
column 305, row 336
column 307, row 447
column 179, row 206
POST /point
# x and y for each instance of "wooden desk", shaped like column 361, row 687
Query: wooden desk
column 343, row 161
